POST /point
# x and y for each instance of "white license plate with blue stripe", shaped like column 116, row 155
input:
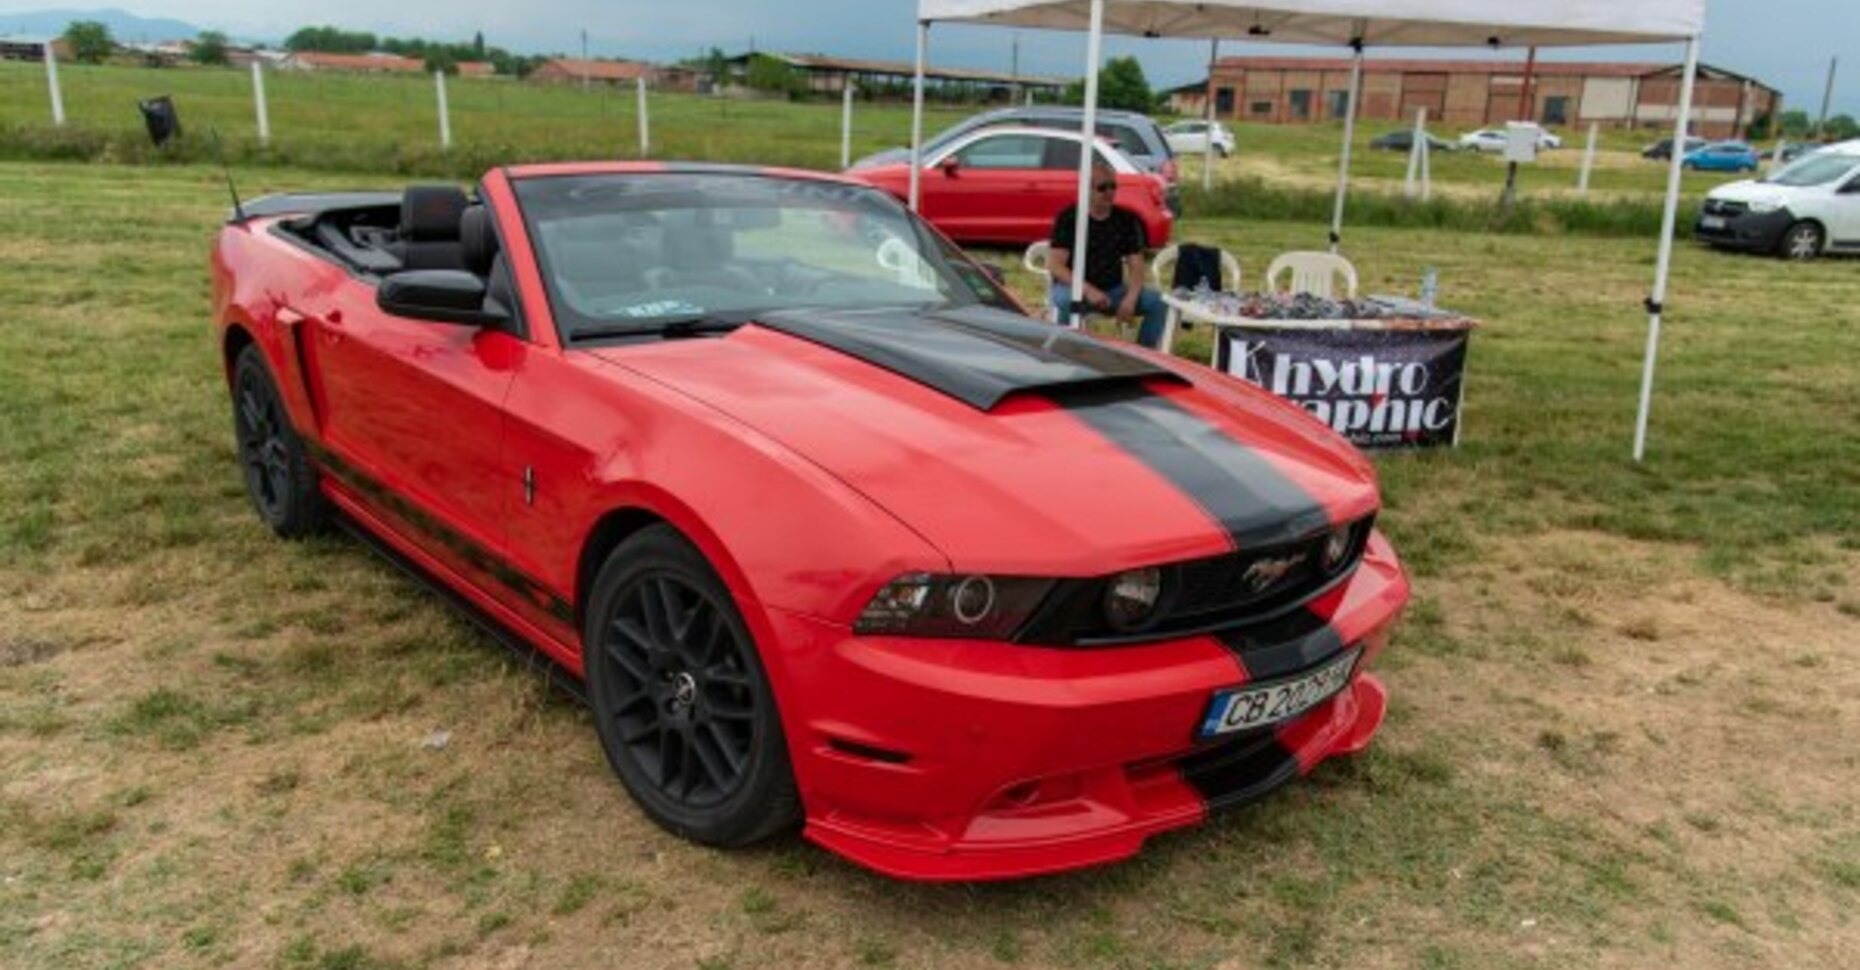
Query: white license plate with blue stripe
column 1250, row 707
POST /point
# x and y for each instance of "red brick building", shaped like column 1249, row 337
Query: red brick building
column 1286, row 90
column 572, row 70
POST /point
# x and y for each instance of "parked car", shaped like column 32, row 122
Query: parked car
column 1192, row 138
column 1724, row 156
column 1005, row 185
column 1493, row 140
column 814, row 517
column 1663, row 149
column 1136, row 135
column 1809, row 207
column 1403, row 140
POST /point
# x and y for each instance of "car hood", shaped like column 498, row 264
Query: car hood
column 1751, row 190
column 1016, row 447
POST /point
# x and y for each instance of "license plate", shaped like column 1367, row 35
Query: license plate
column 1246, row 708
column 1712, row 222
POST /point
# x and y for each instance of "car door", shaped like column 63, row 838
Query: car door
column 988, row 193
column 411, row 411
column 1844, row 230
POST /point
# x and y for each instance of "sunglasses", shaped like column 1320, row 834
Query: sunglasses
column 1106, row 186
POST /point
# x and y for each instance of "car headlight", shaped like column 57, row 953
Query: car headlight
column 1765, row 205
column 966, row 607
column 1132, row 599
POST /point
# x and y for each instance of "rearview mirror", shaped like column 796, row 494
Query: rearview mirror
column 443, row 295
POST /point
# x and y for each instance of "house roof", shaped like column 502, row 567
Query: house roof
column 822, row 62
column 1371, row 65
column 601, row 70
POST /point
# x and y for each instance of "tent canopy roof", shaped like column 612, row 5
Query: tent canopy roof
column 1378, row 23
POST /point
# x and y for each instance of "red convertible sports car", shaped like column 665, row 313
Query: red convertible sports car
column 831, row 534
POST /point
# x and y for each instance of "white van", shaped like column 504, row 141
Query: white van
column 1809, row 207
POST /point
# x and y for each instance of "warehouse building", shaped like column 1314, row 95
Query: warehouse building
column 1290, row 90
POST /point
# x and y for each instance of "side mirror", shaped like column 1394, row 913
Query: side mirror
column 950, row 166
column 443, row 295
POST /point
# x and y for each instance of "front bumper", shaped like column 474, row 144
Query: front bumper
column 959, row 760
column 1755, row 231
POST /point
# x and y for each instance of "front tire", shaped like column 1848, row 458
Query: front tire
column 1802, row 242
column 278, row 474
column 681, row 702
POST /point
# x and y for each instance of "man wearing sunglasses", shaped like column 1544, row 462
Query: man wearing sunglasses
column 1114, row 261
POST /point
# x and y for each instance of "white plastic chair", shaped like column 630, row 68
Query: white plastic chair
column 1311, row 272
column 1160, row 270
column 1036, row 259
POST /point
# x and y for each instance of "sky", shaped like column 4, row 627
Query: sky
column 1784, row 43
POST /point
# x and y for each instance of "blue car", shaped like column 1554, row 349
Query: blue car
column 1724, row 156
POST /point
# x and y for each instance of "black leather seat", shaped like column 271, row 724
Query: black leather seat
column 429, row 228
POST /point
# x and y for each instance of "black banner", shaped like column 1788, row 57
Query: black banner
column 1382, row 389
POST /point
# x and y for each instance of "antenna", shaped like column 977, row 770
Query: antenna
column 231, row 189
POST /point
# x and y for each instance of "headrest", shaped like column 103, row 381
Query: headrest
column 477, row 239
column 430, row 213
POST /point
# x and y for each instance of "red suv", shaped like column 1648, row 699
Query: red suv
column 1006, row 185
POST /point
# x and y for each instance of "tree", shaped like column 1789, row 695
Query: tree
column 330, row 40
column 89, row 41
column 772, row 74
column 477, row 46
column 209, row 48
column 1794, row 124
column 1121, row 85
column 1841, row 128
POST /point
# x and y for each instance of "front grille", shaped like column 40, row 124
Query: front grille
column 1720, row 207
column 1203, row 594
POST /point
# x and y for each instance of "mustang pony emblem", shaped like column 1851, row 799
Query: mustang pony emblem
column 1265, row 572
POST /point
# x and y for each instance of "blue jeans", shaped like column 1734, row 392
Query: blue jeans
column 1149, row 306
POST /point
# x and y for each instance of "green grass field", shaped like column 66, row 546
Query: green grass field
column 349, row 123
column 1621, row 734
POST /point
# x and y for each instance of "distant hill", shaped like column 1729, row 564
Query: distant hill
column 124, row 26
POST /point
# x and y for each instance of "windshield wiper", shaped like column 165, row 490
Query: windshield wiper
column 692, row 325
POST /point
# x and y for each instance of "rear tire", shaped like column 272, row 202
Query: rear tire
column 278, row 474
column 681, row 702
column 1802, row 242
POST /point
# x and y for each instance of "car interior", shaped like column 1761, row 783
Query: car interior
column 430, row 227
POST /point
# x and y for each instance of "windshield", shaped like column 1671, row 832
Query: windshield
column 643, row 252
column 1814, row 170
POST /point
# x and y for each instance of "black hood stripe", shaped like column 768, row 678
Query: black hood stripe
column 1239, row 489
column 977, row 355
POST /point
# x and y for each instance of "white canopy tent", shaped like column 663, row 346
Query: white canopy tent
column 1357, row 24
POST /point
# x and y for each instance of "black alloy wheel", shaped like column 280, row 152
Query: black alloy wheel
column 1802, row 242
column 278, row 474
column 681, row 703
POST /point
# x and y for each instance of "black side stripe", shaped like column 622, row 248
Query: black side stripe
column 1291, row 644
column 484, row 560
column 1252, row 500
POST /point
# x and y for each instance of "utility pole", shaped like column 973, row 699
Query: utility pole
column 1014, row 63
column 1827, row 94
column 1524, row 93
column 585, row 71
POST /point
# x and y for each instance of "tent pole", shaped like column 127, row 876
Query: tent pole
column 1088, row 133
column 917, row 111
column 1656, row 304
column 1349, row 137
column 1207, row 160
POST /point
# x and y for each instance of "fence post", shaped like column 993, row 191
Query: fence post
column 445, row 118
column 645, row 134
column 1588, row 160
column 51, row 79
column 258, row 99
column 846, row 126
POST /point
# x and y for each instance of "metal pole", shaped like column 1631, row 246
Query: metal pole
column 445, row 120
column 645, row 124
column 584, row 60
column 1207, row 161
column 51, row 80
column 1349, row 136
column 1827, row 94
column 1588, row 159
column 1415, row 150
column 1656, row 304
column 1088, row 134
column 917, row 112
column 846, row 100
column 1427, row 171
column 258, row 99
